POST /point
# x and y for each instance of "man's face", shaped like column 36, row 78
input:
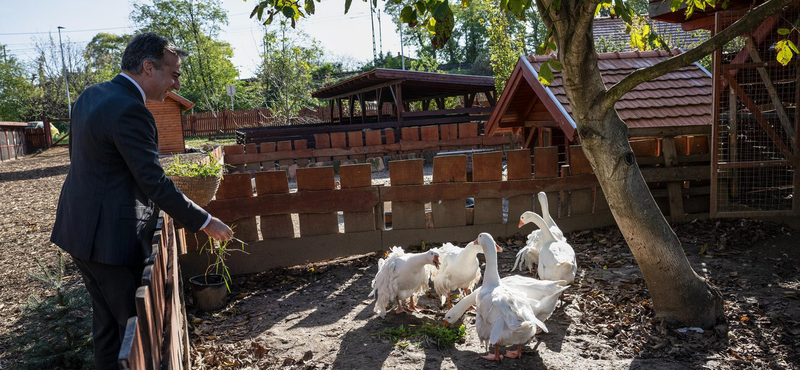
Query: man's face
column 167, row 78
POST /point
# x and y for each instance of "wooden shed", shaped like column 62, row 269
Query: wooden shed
column 168, row 121
column 12, row 140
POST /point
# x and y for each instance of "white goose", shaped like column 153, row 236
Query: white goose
column 556, row 258
column 504, row 316
column 459, row 270
column 401, row 275
column 529, row 255
column 545, row 291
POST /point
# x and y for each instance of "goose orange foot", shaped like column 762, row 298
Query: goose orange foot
column 400, row 309
column 496, row 356
column 515, row 354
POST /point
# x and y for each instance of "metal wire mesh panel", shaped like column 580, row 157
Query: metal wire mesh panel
column 756, row 120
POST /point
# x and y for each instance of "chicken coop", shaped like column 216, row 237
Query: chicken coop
column 755, row 129
column 669, row 122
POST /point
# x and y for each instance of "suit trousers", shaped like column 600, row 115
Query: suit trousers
column 113, row 292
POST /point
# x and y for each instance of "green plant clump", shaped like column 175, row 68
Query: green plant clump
column 219, row 251
column 59, row 335
column 425, row 334
column 213, row 168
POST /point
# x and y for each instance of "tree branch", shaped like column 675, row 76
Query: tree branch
column 585, row 18
column 748, row 22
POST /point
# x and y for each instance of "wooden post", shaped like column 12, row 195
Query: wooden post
column 488, row 167
column 48, row 139
column 398, row 101
column 733, row 140
column 407, row 215
column 449, row 212
column 317, row 178
column 674, row 187
column 274, row 226
column 519, row 168
column 233, row 186
column 357, row 176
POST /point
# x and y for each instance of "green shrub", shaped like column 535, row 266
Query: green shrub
column 426, row 334
column 176, row 168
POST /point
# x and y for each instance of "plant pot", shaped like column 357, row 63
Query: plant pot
column 209, row 292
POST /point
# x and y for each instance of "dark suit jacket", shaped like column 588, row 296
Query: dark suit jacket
column 107, row 209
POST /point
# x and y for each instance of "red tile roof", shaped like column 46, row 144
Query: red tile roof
column 613, row 29
column 679, row 98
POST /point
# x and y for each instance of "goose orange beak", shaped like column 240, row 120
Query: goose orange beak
column 436, row 261
column 521, row 224
column 497, row 247
column 446, row 323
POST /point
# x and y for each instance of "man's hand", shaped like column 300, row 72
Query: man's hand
column 218, row 230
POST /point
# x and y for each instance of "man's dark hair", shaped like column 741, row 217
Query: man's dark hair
column 148, row 46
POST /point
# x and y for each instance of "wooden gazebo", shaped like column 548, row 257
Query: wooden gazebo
column 385, row 95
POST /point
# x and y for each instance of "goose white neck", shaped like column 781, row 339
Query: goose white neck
column 491, row 276
column 547, row 235
column 545, row 210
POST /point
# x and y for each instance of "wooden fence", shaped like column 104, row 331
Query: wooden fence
column 12, row 140
column 158, row 337
column 359, row 145
column 227, row 122
column 303, row 226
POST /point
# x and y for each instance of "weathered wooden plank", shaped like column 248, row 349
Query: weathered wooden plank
column 468, row 129
column 300, row 145
column 276, row 253
column 675, row 197
column 237, row 186
column 429, row 133
column 657, row 132
column 389, row 136
column 410, row 133
column 235, row 150
column 357, row 176
column 518, row 163
column 645, row 147
column 252, row 166
column 449, row 212
column 274, row 226
column 310, row 180
column 545, row 162
column 339, row 140
column 354, row 140
column 487, row 167
column 581, row 201
column 373, row 138
column 409, row 214
column 285, row 146
column 322, row 141
column 132, row 355
column 151, row 345
column 698, row 145
column 578, row 163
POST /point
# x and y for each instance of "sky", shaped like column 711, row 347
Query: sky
column 348, row 36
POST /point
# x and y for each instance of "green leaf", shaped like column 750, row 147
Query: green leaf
column 440, row 13
column 347, row 4
column 288, row 12
column 309, row 7
column 784, row 31
column 555, row 65
column 421, row 7
column 675, row 4
column 407, row 15
column 792, row 46
column 545, row 74
column 465, row 3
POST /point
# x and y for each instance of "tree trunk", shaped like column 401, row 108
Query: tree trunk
column 680, row 296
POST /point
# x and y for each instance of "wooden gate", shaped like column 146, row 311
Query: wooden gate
column 755, row 131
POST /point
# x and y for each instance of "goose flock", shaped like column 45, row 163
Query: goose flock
column 508, row 312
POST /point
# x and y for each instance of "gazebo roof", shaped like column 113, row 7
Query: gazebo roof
column 679, row 98
column 415, row 85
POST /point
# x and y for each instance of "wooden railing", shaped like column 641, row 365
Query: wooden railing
column 157, row 337
column 303, row 226
column 227, row 122
column 360, row 145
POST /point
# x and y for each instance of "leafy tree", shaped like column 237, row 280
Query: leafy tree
column 16, row 90
column 50, row 98
column 506, row 42
column 194, row 25
column 104, row 55
column 287, row 72
column 680, row 296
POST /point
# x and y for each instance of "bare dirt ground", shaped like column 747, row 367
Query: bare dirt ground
column 319, row 316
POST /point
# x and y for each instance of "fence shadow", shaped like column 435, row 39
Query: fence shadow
column 33, row 174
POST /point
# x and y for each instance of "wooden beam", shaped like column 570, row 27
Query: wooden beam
column 445, row 111
column 705, row 23
column 773, row 94
column 757, row 114
column 321, row 201
column 366, row 89
column 398, row 101
column 669, row 131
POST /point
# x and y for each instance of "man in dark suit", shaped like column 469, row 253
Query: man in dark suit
column 109, row 203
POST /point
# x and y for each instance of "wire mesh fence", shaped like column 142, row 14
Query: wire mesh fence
column 756, row 111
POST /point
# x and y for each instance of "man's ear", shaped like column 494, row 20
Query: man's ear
column 148, row 67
